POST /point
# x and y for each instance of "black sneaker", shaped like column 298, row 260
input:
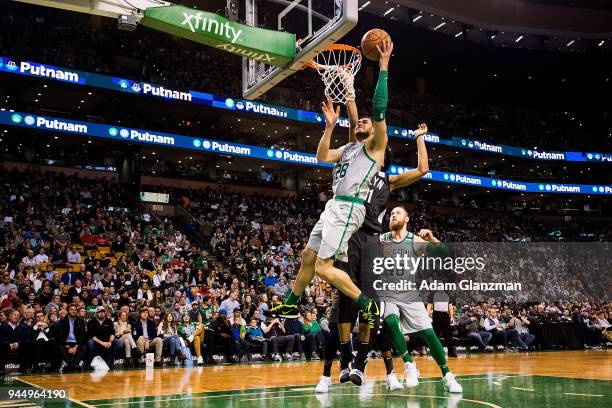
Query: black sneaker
column 356, row 376
column 345, row 374
column 282, row 310
column 371, row 314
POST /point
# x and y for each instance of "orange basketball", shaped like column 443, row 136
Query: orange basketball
column 370, row 40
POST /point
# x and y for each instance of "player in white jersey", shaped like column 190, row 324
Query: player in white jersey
column 356, row 163
column 404, row 312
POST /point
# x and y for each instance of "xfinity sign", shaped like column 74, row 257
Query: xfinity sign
column 269, row 46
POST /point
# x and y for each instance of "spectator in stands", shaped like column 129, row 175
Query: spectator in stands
column 146, row 336
column 6, row 285
column 231, row 303
column 238, row 336
column 222, row 337
column 274, row 329
column 255, row 336
column 14, row 340
column 101, row 333
column 69, row 277
column 295, row 328
column 315, row 340
column 167, row 330
column 192, row 333
column 498, row 330
column 43, row 343
column 470, row 326
column 600, row 326
column 72, row 255
column 29, row 259
column 41, row 256
column 71, row 339
column 521, row 323
column 123, row 334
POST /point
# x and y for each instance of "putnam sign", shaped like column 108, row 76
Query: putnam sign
column 268, row 46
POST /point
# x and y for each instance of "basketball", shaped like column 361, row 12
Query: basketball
column 370, row 40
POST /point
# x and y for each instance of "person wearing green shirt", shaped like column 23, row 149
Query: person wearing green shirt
column 206, row 311
column 314, row 336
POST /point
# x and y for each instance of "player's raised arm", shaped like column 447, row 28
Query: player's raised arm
column 426, row 243
column 409, row 177
column 353, row 116
column 331, row 114
column 381, row 96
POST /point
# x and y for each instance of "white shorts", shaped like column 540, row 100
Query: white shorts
column 330, row 236
column 413, row 316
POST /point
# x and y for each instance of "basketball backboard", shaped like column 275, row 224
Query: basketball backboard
column 316, row 23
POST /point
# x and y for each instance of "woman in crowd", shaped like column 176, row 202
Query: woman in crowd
column 167, row 331
column 314, row 336
column 123, row 333
column 193, row 334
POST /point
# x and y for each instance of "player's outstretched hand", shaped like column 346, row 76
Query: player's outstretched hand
column 330, row 113
column 422, row 129
column 384, row 51
column 426, row 234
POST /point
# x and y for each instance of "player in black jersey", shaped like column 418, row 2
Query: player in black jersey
column 361, row 250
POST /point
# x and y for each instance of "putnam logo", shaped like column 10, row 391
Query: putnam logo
column 466, row 179
column 488, row 147
column 48, row 72
column 150, row 137
column 227, row 148
column 561, row 188
column 149, row 89
column 432, row 138
column 300, row 158
column 548, row 155
column 265, row 110
column 60, row 125
column 510, row 185
column 196, row 22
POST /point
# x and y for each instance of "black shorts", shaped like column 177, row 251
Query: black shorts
column 363, row 247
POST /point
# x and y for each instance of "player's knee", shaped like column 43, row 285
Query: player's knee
column 392, row 321
column 309, row 257
column 322, row 268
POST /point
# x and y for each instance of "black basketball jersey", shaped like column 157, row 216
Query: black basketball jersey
column 376, row 202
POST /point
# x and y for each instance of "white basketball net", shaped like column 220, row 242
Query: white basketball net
column 337, row 67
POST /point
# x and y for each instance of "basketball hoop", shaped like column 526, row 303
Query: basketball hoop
column 337, row 65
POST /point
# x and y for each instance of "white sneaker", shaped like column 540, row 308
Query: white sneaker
column 393, row 383
column 323, row 385
column 451, row 385
column 200, row 360
column 277, row 357
column 288, row 357
column 412, row 374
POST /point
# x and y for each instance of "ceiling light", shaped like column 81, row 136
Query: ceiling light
column 440, row 25
column 520, row 37
column 366, row 4
column 417, row 18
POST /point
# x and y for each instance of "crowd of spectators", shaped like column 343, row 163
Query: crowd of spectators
column 86, row 272
column 157, row 57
